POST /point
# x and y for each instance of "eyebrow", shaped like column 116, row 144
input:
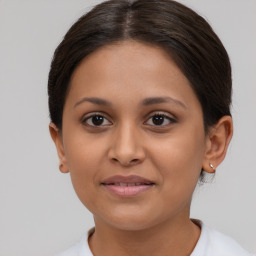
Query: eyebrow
column 94, row 100
column 145, row 102
column 157, row 100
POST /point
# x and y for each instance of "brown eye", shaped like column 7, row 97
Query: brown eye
column 160, row 120
column 96, row 120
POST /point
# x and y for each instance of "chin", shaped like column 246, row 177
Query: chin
column 132, row 224
column 130, row 219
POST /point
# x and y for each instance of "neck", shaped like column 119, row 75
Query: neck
column 172, row 238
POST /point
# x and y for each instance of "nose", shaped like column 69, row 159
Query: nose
column 126, row 147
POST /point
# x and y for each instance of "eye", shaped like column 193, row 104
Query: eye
column 96, row 120
column 160, row 119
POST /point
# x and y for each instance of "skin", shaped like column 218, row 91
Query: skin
column 155, row 222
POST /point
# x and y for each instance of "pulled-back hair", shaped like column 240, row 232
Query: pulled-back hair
column 182, row 33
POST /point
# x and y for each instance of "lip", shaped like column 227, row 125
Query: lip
column 127, row 186
column 126, row 179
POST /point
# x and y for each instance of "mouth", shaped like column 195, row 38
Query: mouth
column 127, row 186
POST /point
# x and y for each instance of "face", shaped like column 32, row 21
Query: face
column 133, row 136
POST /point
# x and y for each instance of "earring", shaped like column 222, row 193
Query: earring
column 211, row 165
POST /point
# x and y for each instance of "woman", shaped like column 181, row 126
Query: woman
column 139, row 98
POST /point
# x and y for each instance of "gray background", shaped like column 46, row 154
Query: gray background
column 39, row 211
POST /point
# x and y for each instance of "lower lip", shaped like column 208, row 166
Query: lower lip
column 127, row 191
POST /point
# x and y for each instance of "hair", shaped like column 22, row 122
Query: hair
column 182, row 33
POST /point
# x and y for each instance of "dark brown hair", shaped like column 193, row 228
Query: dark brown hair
column 181, row 32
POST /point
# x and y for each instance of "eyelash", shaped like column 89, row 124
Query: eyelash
column 157, row 114
column 165, row 116
column 85, row 119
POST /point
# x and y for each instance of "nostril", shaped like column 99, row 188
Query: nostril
column 126, row 163
column 131, row 162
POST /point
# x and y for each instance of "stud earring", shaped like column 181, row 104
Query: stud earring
column 211, row 165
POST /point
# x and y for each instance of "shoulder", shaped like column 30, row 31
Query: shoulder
column 224, row 245
column 79, row 249
column 72, row 251
column 213, row 243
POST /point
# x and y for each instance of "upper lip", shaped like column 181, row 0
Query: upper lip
column 126, row 179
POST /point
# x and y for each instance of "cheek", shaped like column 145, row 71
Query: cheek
column 179, row 160
column 183, row 158
column 84, row 158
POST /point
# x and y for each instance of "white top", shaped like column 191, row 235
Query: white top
column 210, row 243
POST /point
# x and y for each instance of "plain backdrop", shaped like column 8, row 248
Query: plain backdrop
column 39, row 211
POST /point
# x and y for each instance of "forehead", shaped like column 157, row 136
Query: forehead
column 120, row 55
column 129, row 70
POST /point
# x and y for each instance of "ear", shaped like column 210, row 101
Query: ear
column 57, row 139
column 218, row 139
